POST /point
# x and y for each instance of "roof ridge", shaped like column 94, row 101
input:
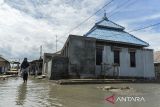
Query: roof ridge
column 112, row 24
column 92, row 29
column 117, row 24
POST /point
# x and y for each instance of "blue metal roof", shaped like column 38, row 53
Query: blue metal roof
column 108, row 30
column 109, row 24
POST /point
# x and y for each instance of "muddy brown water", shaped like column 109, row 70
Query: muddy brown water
column 43, row 93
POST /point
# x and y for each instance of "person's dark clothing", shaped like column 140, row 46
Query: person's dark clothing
column 25, row 76
column 24, row 65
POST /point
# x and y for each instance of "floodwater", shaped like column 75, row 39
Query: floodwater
column 43, row 93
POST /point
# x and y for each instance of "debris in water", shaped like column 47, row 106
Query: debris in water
column 113, row 88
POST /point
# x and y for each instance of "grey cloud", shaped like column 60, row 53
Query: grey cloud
column 27, row 24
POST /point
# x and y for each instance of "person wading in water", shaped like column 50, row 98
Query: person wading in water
column 24, row 69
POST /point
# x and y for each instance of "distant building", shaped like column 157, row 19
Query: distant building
column 105, row 51
column 47, row 57
column 14, row 69
column 4, row 65
column 36, row 67
column 157, row 63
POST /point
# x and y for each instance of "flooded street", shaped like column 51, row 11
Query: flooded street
column 41, row 93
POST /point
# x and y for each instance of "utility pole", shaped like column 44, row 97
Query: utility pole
column 56, row 43
column 41, row 51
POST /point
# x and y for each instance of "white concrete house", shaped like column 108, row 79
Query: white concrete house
column 107, row 50
column 121, row 54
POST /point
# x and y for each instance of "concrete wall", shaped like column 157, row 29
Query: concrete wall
column 81, row 53
column 148, row 63
column 144, row 62
column 108, row 60
column 157, row 69
column 47, row 57
column 49, row 69
column 58, row 68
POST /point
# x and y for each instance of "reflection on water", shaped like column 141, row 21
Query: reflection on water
column 22, row 92
column 41, row 93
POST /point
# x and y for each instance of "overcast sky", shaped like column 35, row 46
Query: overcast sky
column 27, row 24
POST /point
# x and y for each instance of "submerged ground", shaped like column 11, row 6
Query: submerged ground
column 43, row 93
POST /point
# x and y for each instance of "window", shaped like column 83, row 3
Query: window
column 98, row 56
column 132, row 59
column 116, row 57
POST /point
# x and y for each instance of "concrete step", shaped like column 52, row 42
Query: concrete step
column 93, row 81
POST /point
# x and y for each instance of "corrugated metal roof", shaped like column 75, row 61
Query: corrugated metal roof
column 109, row 24
column 117, row 36
column 108, row 30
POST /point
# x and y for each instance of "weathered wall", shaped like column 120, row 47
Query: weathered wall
column 81, row 52
column 58, row 68
column 144, row 62
column 49, row 69
column 148, row 63
column 157, row 69
column 108, row 60
column 81, row 55
column 47, row 57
